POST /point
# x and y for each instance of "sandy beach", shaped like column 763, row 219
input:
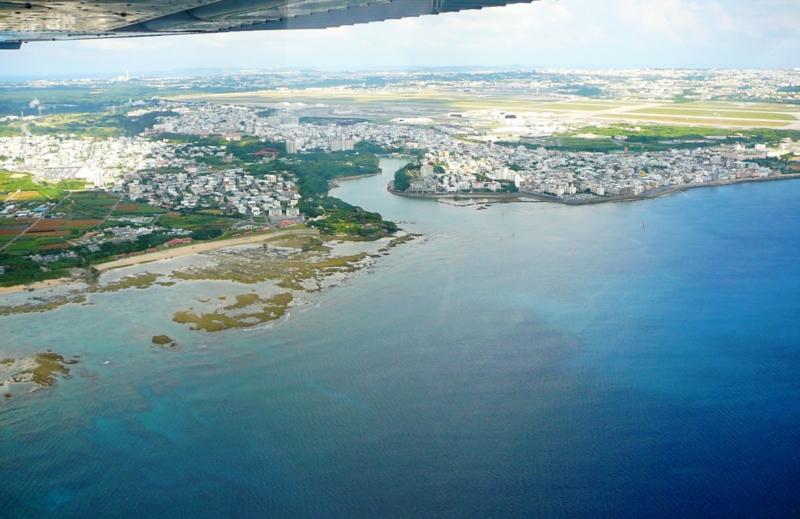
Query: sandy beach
column 49, row 283
column 201, row 247
column 166, row 254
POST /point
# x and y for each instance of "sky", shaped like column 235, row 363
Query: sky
column 545, row 34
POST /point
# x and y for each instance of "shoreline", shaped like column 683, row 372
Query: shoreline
column 176, row 252
column 507, row 197
column 38, row 285
column 352, row 177
column 542, row 197
column 334, row 182
column 161, row 255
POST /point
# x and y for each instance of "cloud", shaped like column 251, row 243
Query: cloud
column 676, row 20
column 546, row 33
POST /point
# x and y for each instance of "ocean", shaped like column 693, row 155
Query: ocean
column 528, row 360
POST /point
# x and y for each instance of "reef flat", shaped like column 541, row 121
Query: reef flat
column 278, row 271
column 248, row 311
column 34, row 372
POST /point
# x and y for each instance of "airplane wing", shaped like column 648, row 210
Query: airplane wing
column 46, row 20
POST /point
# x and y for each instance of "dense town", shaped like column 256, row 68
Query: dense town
column 470, row 168
column 181, row 159
column 196, row 186
column 173, row 176
column 98, row 161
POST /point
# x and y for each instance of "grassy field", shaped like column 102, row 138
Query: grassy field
column 10, row 128
column 677, row 132
column 22, row 187
column 99, row 125
column 700, row 121
column 654, row 137
column 767, row 107
column 530, row 105
column 728, row 114
column 335, row 96
column 577, row 107
column 82, row 124
column 432, row 99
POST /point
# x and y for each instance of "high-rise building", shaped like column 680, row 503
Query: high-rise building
column 337, row 144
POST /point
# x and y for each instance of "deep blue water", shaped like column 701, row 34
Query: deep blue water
column 622, row 360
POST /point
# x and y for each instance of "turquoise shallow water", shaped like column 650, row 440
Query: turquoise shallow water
column 527, row 360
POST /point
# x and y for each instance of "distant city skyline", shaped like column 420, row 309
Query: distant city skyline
column 546, row 34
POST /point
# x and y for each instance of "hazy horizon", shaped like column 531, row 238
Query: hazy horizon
column 567, row 34
column 234, row 71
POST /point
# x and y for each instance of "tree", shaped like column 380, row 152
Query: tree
column 402, row 179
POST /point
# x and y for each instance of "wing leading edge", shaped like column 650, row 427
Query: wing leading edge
column 79, row 19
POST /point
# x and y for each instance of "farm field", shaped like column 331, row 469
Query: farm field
column 136, row 209
column 87, row 204
column 75, row 214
